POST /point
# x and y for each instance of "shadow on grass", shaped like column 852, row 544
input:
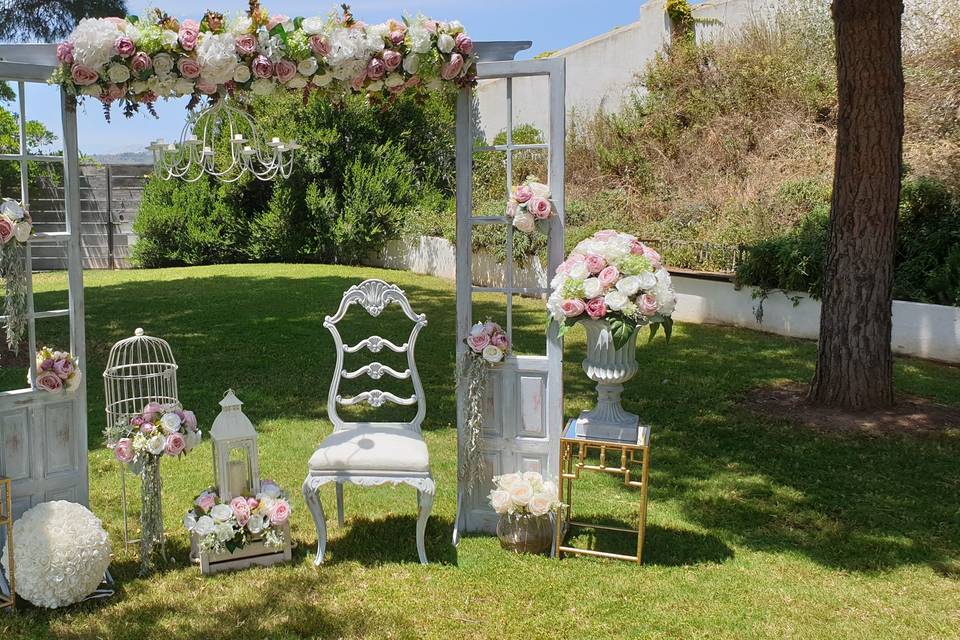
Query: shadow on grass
column 391, row 539
column 663, row 546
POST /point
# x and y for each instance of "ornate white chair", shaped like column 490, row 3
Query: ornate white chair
column 372, row 453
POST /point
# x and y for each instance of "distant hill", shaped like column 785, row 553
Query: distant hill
column 129, row 157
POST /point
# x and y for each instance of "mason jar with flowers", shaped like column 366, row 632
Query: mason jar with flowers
column 524, row 502
column 612, row 284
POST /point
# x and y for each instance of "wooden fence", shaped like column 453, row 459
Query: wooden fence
column 109, row 201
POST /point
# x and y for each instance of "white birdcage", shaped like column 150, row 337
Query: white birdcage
column 140, row 369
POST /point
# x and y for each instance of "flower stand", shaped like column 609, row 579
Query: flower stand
column 254, row 553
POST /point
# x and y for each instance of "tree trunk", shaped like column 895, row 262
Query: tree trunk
column 854, row 360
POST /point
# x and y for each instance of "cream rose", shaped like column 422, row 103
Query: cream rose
column 540, row 504
column 500, row 501
column 118, row 73
column 492, row 354
column 520, row 493
column 592, row 287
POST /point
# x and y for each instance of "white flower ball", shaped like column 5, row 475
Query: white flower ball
column 61, row 553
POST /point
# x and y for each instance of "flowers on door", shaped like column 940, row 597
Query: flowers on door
column 613, row 276
column 56, row 371
column 488, row 342
column 15, row 221
column 227, row 526
column 530, row 203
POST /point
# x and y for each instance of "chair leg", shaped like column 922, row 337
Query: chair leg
column 425, row 502
column 312, row 498
column 340, row 503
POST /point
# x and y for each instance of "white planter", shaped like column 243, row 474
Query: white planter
column 610, row 368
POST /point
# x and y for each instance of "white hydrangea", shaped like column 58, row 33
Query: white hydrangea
column 375, row 34
column 217, row 57
column 93, row 41
column 239, row 25
column 420, row 38
column 346, row 45
column 61, row 551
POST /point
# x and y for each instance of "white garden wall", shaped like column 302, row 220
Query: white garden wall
column 923, row 330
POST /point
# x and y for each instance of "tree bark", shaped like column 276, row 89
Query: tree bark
column 854, row 360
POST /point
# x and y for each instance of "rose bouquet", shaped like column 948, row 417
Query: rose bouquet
column 15, row 222
column 135, row 61
column 613, row 276
column 529, row 203
column 524, row 493
column 488, row 341
column 221, row 526
column 159, row 430
column 56, row 371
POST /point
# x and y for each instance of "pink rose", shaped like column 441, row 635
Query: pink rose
column 175, row 444
column 188, row 35
column 151, row 411
column 397, row 36
column 115, row 92
column 609, row 276
column 500, row 340
column 412, row 82
column 522, row 193
column 540, row 208
column 141, row 62
column 148, row 429
column 262, row 67
column 47, row 364
column 49, row 381
column 595, row 263
column 63, row 368
column 606, row 234
column 188, row 67
column 205, row 501
column 596, row 308
column 572, row 308
column 253, row 503
column 279, row 512
column 320, row 46
column 189, row 419
column 277, row 19
column 123, row 450
column 285, row 70
column 568, row 264
column 648, row 305
column 65, row 52
column 375, row 69
column 6, row 230
column 651, row 254
column 206, row 87
column 245, row 44
column 452, row 69
column 392, row 59
column 241, row 510
column 124, row 47
column 83, row 75
column 136, row 421
column 478, row 343
column 464, row 43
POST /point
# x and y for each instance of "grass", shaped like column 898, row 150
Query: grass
column 757, row 529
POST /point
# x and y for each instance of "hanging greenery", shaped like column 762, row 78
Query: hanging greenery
column 15, row 229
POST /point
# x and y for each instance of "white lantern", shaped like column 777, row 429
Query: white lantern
column 235, row 465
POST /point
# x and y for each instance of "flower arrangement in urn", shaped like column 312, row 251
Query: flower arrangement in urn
column 227, row 526
column 56, row 371
column 529, row 203
column 524, row 502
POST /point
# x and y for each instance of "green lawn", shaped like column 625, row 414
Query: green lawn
column 756, row 528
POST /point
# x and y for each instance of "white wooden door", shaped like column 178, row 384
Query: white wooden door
column 524, row 406
column 43, row 436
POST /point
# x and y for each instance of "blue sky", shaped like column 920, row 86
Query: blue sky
column 550, row 24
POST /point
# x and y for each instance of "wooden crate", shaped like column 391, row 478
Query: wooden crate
column 254, row 553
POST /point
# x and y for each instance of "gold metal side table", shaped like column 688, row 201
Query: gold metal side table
column 7, row 585
column 618, row 458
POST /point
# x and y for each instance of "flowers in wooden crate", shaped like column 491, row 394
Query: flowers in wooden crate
column 228, row 526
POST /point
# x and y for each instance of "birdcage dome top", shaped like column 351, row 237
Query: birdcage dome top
column 140, row 349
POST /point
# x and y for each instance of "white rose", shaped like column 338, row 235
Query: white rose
column 190, row 520
column 307, row 66
column 313, row 25
column 394, row 80
column 477, row 329
column 297, row 82
column 520, row 493
column 169, row 38
column 12, row 209
column 550, row 488
column 524, row 221
column 262, row 87
column 322, row 79
column 139, row 86
column 91, row 90
column 411, row 64
column 540, row 504
column 539, row 189
column 22, row 231
column 630, row 285
column 204, row 526
column 554, row 306
column 579, row 271
column 507, row 480
column 500, row 501
column 225, row 531
column 241, row 74
column 170, row 423
column 446, row 43
column 266, row 502
column 534, row 478
column 162, row 64
column 241, row 25
column 118, row 73
column 221, row 512
column 183, row 87
column 155, row 444
column 663, row 277
column 256, row 523
column 667, row 302
column 616, row 300
column 592, row 287
column 492, row 354
column 646, row 280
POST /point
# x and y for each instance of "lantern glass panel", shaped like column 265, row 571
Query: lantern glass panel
column 240, row 473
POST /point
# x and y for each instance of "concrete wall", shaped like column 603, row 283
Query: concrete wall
column 922, row 330
column 602, row 71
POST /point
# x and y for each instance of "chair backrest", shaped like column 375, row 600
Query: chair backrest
column 374, row 295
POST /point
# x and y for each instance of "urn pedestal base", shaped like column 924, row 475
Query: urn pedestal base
column 609, row 367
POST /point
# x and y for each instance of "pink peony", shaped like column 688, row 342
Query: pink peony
column 609, row 276
column 64, row 368
column 464, row 43
column 253, row 503
column 540, row 208
column 241, row 510
column 49, row 381
column 188, row 34
column 47, row 364
column 595, row 263
column 452, row 69
column 65, row 52
column 478, row 343
column 572, row 307
column 522, row 193
column 123, row 450
column 206, row 87
column 175, row 444
column 141, row 62
column 392, row 59
column 124, row 47
column 188, row 67
column 136, row 421
column 151, row 411
column 83, row 75
column 205, row 501
column 285, row 70
column 397, row 36
column 148, row 428
column 277, row 19
column 246, row 44
column 189, row 419
column 375, row 69
column 500, row 340
column 596, row 308
column 320, row 46
column 279, row 512
column 7, row 230
column 647, row 305
column 262, row 67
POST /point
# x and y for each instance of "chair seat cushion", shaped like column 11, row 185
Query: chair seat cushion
column 372, row 449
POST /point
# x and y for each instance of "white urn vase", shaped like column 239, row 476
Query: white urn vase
column 610, row 368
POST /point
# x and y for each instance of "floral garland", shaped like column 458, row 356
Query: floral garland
column 488, row 346
column 16, row 227
column 613, row 276
column 225, row 527
column 56, row 371
column 530, row 203
column 134, row 61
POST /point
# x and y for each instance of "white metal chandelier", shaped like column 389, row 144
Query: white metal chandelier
column 198, row 151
